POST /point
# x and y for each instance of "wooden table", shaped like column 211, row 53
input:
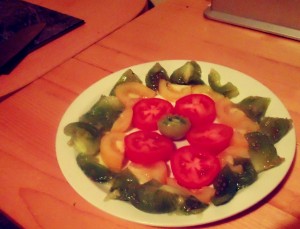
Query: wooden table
column 33, row 190
column 101, row 18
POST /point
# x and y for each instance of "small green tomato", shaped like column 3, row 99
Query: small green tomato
column 174, row 126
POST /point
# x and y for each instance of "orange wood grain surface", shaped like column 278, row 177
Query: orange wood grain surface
column 33, row 190
column 101, row 18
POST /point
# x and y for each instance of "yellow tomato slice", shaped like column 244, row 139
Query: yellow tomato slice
column 173, row 92
column 236, row 151
column 238, row 148
column 205, row 89
column 176, row 188
column 201, row 89
column 112, row 150
column 232, row 116
column 238, row 139
column 129, row 93
column 158, row 171
column 123, row 123
column 204, row 194
column 227, row 156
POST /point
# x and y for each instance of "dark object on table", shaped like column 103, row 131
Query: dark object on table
column 16, row 15
column 7, row 223
column 14, row 49
column 278, row 17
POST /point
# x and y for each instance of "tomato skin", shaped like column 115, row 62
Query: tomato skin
column 147, row 147
column 213, row 137
column 147, row 112
column 194, row 168
column 198, row 108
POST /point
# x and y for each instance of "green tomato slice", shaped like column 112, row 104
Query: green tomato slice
column 174, row 126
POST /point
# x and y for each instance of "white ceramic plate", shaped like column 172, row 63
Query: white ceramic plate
column 245, row 198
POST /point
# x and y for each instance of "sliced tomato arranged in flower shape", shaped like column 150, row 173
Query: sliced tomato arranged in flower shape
column 146, row 147
column 193, row 168
column 214, row 137
column 198, row 108
column 147, row 112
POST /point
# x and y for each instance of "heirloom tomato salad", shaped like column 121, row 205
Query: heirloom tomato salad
column 173, row 143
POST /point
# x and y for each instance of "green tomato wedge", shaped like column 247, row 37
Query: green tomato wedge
column 128, row 76
column 228, row 89
column 225, row 185
column 188, row 74
column 228, row 182
column 152, row 198
column 254, row 107
column 154, row 75
column 84, row 137
column 92, row 169
column 248, row 175
column 262, row 151
column 104, row 112
column 191, row 205
column 124, row 186
column 275, row 128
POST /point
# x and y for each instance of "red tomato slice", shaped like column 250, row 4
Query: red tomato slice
column 147, row 112
column 198, row 108
column 214, row 137
column 146, row 147
column 194, row 168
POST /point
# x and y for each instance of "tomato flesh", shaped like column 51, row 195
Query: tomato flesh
column 112, row 150
column 147, row 112
column 198, row 108
column 214, row 137
column 157, row 171
column 193, row 168
column 146, row 147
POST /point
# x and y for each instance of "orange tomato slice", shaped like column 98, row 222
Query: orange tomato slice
column 112, row 150
column 129, row 93
column 123, row 123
